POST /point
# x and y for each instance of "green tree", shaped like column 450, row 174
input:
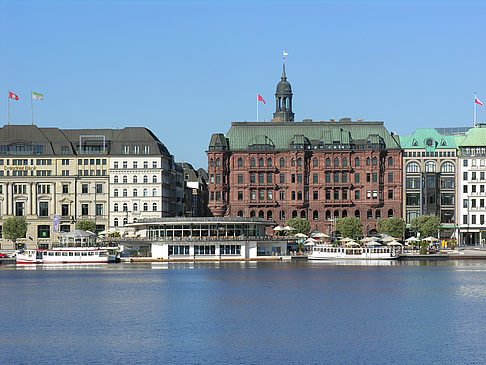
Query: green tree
column 395, row 227
column 426, row 225
column 86, row 225
column 14, row 228
column 349, row 227
column 299, row 224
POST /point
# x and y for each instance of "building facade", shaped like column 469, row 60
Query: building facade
column 56, row 177
column 315, row 170
column 430, row 178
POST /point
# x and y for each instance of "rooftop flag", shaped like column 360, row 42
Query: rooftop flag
column 37, row 96
column 477, row 101
column 261, row 99
column 13, row 96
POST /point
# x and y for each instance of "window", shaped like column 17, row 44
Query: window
column 240, row 178
column 282, row 162
column 412, row 182
column 154, row 207
column 260, row 162
column 261, row 178
column 374, row 177
column 43, row 231
column 125, row 164
column 115, row 207
column 299, row 162
column 154, row 192
column 269, row 178
column 125, row 192
column 315, row 195
column 64, row 210
column 368, row 177
column 299, row 178
column 356, row 194
column 99, row 209
column 282, row 194
column 390, row 194
column 145, row 207
column 430, row 166
column 315, row 215
column 218, row 162
column 145, row 192
column 315, row 178
column 412, row 199
column 252, row 178
column 145, row 164
column 345, row 161
column 356, row 177
column 378, row 214
column 369, row 214
column 390, row 177
column 43, row 209
column 19, row 209
column 336, row 162
column 447, row 167
column 252, row 195
column 115, row 179
column 390, row 213
column 345, row 177
column 356, row 162
column 240, row 195
column 135, row 207
column 412, row 167
column 447, row 198
column 154, row 164
column 65, row 188
column 315, row 163
column 374, row 161
column 154, row 179
column 252, row 162
column 390, row 161
column 84, row 209
column 464, row 176
column 145, row 179
column 99, row 188
column 328, row 177
column 464, row 163
column 125, row 179
column 84, row 188
column 240, row 162
column 328, row 162
column 125, row 207
column 336, row 177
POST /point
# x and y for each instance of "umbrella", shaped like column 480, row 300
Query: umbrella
column 321, row 235
column 278, row 228
column 388, row 239
column 347, row 239
column 368, row 239
column 394, row 243
column 351, row 243
column 310, row 242
column 412, row 239
column 288, row 228
column 431, row 239
column 300, row 235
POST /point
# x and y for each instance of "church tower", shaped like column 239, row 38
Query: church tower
column 283, row 99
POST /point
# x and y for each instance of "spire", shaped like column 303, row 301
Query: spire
column 284, row 76
column 283, row 98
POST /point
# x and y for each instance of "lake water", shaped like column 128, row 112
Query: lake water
column 245, row 313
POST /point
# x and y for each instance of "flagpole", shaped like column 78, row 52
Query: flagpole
column 31, row 107
column 257, row 107
column 475, row 109
column 8, row 117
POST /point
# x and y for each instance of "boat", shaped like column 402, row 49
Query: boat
column 64, row 255
column 327, row 252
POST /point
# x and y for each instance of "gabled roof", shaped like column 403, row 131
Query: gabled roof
column 418, row 140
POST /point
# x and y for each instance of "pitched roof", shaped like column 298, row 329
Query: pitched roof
column 475, row 137
column 418, row 140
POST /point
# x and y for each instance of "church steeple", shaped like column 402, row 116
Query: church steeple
column 283, row 99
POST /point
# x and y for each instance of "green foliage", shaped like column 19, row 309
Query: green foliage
column 426, row 225
column 114, row 234
column 394, row 227
column 14, row 228
column 349, row 227
column 85, row 226
column 423, row 248
column 300, row 224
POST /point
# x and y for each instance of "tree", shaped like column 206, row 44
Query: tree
column 426, row 225
column 14, row 228
column 349, row 227
column 85, row 226
column 394, row 227
column 299, row 224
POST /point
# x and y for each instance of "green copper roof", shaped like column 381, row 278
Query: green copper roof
column 281, row 136
column 421, row 137
column 475, row 137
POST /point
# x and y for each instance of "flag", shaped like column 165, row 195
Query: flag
column 11, row 95
column 477, row 101
column 261, row 99
column 285, row 53
column 37, row 96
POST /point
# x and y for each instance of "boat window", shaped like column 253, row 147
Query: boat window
column 64, row 253
column 102, row 254
column 84, row 254
column 71, row 253
column 77, row 254
column 51, row 253
column 58, row 254
column 90, row 253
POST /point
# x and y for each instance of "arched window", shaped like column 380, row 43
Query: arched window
column 345, row 161
column 154, row 207
column 369, row 214
column 282, row 215
column 367, row 161
column 315, row 162
column 357, row 214
column 294, row 214
column 115, row 179
column 328, row 214
column 125, row 179
column 115, row 192
column 145, row 179
column 378, row 214
column 374, row 161
column 252, row 162
column 292, row 161
column 135, row 179
column 269, row 215
column 145, row 207
column 447, row 167
column 115, row 222
column 154, row 179
column 336, row 161
column 260, row 162
column 328, row 162
column 302, row 214
column 125, row 192
column 282, row 162
column 211, row 162
column 356, row 161
column 125, row 221
column 135, row 192
column 240, row 162
column 154, row 192
column 135, row 207
column 390, row 213
column 125, row 207
column 252, row 214
column 261, row 214
column 269, row 162
column 345, row 213
column 115, row 207
column 430, row 166
column 299, row 162
column 315, row 215
column 390, row 161
column 240, row 213
column 336, row 214
column 218, row 162
column 412, row 167
column 145, row 192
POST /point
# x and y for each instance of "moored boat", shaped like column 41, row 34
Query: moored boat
column 327, row 252
column 64, row 255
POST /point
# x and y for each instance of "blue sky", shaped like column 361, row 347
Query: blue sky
column 187, row 69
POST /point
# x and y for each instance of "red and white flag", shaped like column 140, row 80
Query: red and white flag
column 13, row 96
column 261, row 99
column 477, row 101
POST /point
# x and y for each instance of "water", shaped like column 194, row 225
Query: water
column 249, row 313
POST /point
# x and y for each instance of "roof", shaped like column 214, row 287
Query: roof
column 283, row 136
column 419, row 138
column 475, row 137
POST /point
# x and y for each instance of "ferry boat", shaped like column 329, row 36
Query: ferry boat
column 64, row 255
column 326, row 252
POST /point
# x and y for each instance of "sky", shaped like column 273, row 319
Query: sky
column 187, row 69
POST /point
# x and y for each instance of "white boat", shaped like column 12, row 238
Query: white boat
column 64, row 255
column 327, row 252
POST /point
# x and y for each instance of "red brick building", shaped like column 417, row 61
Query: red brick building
column 315, row 170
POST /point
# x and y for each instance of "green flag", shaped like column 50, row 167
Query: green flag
column 37, row 96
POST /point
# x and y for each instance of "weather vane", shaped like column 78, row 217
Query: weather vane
column 284, row 54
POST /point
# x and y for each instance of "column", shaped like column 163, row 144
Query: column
column 29, row 199
column 10, row 199
column 34, row 202
column 5, row 199
column 52, row 208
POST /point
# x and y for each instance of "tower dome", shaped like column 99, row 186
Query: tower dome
column 283, row 99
